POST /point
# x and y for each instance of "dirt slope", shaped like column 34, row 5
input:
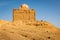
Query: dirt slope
column 20, row 30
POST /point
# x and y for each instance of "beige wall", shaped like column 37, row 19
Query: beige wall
column 22, row 14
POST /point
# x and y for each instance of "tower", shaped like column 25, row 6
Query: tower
column 24, row 13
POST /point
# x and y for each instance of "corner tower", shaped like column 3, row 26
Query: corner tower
column 24, row 13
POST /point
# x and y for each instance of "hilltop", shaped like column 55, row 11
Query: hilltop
column 25, row 27
column 27, row 30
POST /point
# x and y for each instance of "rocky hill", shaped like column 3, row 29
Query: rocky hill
column 28, row 30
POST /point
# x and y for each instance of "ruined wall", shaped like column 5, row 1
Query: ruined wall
column 23, row 14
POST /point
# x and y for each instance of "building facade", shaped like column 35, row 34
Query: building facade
column 24, row 13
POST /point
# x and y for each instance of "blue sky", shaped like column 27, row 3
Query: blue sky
column 48, row 10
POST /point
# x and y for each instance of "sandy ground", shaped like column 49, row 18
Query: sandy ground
column 24, row 31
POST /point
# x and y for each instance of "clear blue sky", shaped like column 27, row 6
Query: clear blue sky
column 48, row 10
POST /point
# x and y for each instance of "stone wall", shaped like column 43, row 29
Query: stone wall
column 24, row 14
